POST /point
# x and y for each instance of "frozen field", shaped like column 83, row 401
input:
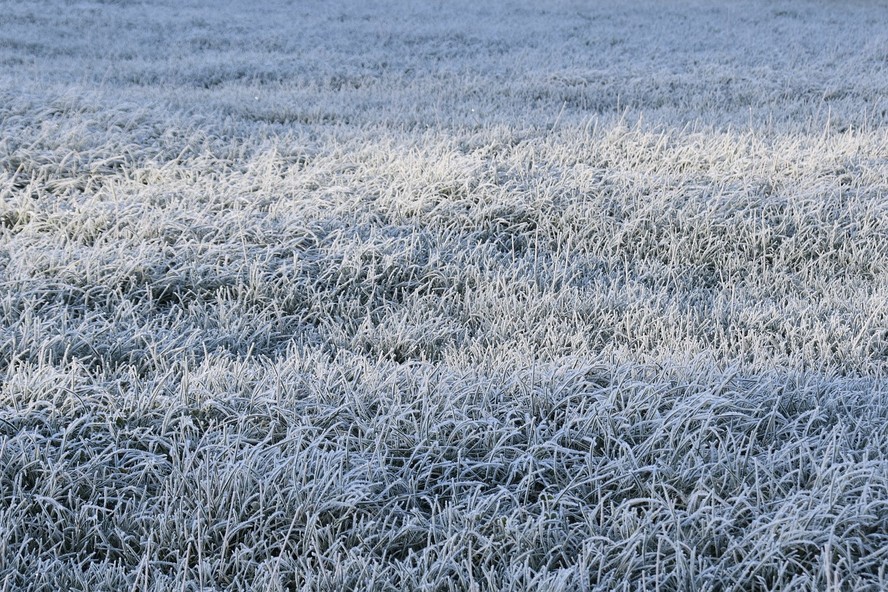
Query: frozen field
column 380, row 296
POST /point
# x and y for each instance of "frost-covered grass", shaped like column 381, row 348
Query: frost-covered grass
column 553, row 296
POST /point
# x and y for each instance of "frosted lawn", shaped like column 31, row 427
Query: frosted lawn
column 330, row 297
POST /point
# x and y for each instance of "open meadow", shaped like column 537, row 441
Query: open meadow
column 328, row 296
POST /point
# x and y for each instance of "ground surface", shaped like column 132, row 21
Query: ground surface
column 553, row 296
